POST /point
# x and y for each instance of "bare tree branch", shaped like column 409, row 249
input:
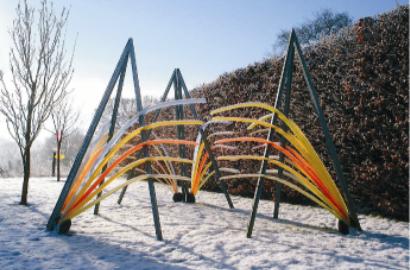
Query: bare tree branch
column 324, row 23
column 64, row 119
column 41, row 70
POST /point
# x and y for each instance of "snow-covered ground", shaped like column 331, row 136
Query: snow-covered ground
column 206, row 235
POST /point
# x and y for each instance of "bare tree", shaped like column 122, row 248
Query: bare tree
column 64, row 119
column 324, row 23
column 40, row 74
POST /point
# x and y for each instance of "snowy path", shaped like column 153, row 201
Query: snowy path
column 206, row 235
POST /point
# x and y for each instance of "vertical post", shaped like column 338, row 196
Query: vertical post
column 144, row 137
column 55, row 215
column 112, row 125
column 164, row 97
column 187, row 95
column 124, row 189
column 179, row 115
column 328, row 138
column 264, row 164
column 288, row 87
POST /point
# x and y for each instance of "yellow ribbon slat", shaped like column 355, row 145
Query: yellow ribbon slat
column 128, row 182
column 118, row 146
column 299, row 178
column 298, row 140
column 290, row 185
column 136, row 133
column 121, row 172
column 313, row 156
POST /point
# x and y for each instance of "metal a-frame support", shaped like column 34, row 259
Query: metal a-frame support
column 217, row 176
column 221, row 185
column 284, row 90
column 112, row 124
column 179, row 115
column 118, row 75
column 180, row 92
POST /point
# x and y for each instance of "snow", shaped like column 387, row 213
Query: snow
column 205, row 235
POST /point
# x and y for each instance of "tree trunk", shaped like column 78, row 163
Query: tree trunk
column 26, row 176
column 53, row 165
column 27, row 154
column 58, row 159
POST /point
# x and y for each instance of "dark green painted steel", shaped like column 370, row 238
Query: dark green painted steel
column 55, row 215
column 163, row 98
column 217, row 175
column 222, row 185
column 144, row 137
column 329, row 141
column 285, row 83
column 187, row 95
column 179, row 115
column 113, row 121
column 118, row 73
column 287, row 65
column 181, row 90
column 288, row 87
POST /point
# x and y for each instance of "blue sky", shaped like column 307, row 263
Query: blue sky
column 203, row 38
